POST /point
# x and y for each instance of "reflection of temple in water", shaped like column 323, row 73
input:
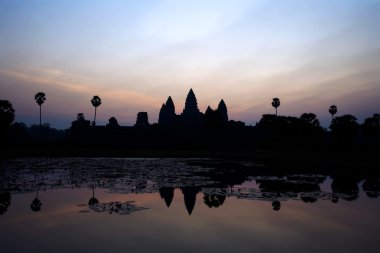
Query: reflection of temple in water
column 190, row 197
column 163, row 176
column 167, row 193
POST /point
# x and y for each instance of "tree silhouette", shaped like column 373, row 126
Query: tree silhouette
column 40, row 99
column 310, row 118
column 333, row 110
column 7, row 113
column 112, row 122
column 95, row 101
column 80, row 116
column 344, row 127
column 371, row 125
column 276, row 103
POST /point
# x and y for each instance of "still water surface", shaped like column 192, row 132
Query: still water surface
column 181, row 205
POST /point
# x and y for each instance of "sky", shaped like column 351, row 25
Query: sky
column 134, row 54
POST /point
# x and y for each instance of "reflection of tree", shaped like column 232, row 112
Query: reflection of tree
column 276, row 205
column 335, row 198
column 308, row 199
column 36, row 204
column 345, row 187
column 190, row 195
column 291, row 187
column 167, row 193
column 371, row 186
column 5, row 202
column 284, row 186
column 214, row 200
column 93, row 200
column 344, row 126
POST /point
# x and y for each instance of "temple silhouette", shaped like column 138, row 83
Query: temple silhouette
column 189, row 129
column 191, row 116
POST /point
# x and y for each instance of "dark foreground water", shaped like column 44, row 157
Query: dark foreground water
column 182, row 205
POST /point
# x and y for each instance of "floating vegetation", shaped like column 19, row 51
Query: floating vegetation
column 138, row 176
column 116, row 207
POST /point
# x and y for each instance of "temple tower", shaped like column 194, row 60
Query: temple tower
column 222, row 109
column 142, row 119
column 191, row 114
column 167, row 113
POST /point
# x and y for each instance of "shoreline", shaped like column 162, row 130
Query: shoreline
column 351, row 159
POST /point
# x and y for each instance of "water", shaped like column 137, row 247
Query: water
column 181, row 205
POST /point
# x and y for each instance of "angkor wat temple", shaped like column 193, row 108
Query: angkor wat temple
column 191, row 116
column 191, row 128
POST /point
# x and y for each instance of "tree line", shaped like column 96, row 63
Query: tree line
column 270, row 127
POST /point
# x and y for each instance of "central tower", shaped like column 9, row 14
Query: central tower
column 191, row 106
column 191, row 113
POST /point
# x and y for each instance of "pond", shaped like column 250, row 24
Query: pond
column 182, row 205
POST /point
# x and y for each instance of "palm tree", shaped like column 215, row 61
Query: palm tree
column 40, row 99
column 333, row 110
column 276, row 103
column 95, row 101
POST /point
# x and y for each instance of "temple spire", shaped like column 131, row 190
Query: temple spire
column 167, row 114
column 162, row 114
column 170, row 108
column 222, row 108
column 191, row 105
